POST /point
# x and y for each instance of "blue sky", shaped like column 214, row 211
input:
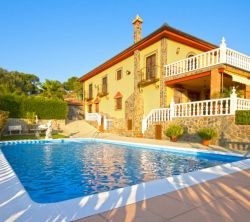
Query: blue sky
column 57, row 39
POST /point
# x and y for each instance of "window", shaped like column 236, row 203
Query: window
column 118, row 103
column 105, row 85
column 90, row 108
column 151, row 67
column 118, row 74
column 90, row 91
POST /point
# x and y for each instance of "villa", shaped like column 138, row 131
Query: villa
column 167, row 74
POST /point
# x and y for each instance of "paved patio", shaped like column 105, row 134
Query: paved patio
column 224, row 199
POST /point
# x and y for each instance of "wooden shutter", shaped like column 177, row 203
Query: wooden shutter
column 105, row 85
column 90, row 91
column 119, row 74
column 151, row 67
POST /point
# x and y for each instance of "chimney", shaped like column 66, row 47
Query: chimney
column 137, row 28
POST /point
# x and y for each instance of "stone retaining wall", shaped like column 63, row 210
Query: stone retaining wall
column 230, row 135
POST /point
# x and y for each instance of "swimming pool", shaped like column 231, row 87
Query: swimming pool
column 53, row 171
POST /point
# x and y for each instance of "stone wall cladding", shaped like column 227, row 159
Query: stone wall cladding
column 163, row 61
column 230, row 135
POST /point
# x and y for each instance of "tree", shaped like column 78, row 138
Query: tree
column 18, row 83
column 73, row 85
column 52, row 89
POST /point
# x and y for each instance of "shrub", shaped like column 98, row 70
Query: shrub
column 31, row 117
column 3, row 118
column 19, row 106
column 174, row 130
column 242, row 117
column 207, row 133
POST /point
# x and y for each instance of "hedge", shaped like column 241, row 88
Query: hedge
column 3, row 118
column 242, row 117
column 19, row 106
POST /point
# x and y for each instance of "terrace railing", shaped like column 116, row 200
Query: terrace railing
column 213, row 107
column 222, row 55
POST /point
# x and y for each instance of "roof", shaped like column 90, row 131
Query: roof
column 73, row 101
column 164, row 31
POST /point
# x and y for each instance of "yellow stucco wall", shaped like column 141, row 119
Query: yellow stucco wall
column 184, row 50
column 150, row 93
column 125, row 86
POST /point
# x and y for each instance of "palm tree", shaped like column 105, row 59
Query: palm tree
column 52, row 89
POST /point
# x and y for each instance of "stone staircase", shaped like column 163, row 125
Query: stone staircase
column 78, row 128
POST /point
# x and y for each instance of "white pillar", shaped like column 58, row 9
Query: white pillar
column 172, row 109
column 223, row 51
column 233, row 102
column 144, row 124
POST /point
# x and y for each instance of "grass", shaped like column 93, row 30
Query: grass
column 30, row 137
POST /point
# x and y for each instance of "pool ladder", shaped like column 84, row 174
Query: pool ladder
column 96, row 134
column 246, row 154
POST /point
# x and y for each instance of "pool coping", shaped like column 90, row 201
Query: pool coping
column 16, row 205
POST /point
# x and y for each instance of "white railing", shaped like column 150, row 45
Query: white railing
column 222, row 55
column 213, row 107
column 155, row 115
column 94, row 117
column 243, row 104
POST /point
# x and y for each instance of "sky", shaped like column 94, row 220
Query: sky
column 57, row 39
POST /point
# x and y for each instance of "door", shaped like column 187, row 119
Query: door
column 101, row 127
column 158, row 131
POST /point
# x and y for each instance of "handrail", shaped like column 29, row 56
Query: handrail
column 212, row 107
column 222, row 55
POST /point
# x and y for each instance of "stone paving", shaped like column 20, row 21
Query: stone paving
column 221, row 200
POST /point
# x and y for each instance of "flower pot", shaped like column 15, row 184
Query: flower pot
column 205, row 142
column 173, row 138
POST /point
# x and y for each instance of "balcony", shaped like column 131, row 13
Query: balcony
column 222, row 55
column 148, row 75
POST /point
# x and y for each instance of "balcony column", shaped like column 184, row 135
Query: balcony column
column 215, row 83
column 163, row 62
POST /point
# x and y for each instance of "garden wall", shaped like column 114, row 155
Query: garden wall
column 230, row 135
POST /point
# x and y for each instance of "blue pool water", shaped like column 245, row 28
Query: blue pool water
column 62, row 170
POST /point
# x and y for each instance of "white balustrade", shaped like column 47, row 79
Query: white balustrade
column 222, row 55
column 212, row 107
column 243, row 104
column 156, row 115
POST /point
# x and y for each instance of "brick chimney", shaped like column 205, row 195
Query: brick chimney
column 137, row 28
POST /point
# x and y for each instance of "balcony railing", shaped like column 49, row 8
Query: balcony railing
column 213, row 107
column 222, row 55
column 148, row 75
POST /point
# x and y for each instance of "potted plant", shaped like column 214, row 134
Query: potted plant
column 206, row 134
column 174, row 131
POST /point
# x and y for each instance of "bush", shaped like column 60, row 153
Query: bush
column 207, row 133
column 242, row 117
column 19, row 106
column 3, row 118
column 174, row 130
